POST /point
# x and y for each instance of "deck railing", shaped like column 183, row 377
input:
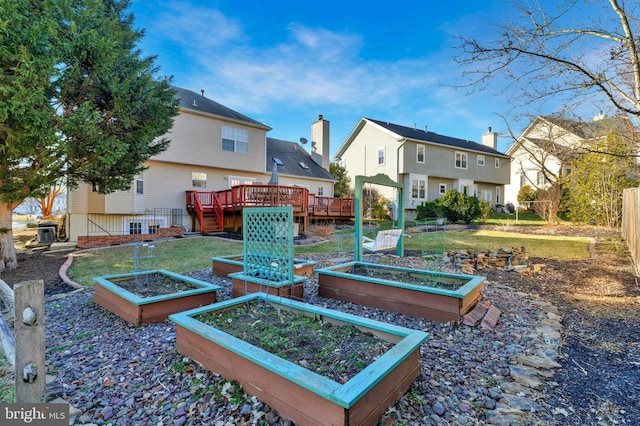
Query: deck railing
column 329, row 206
column 241, row 196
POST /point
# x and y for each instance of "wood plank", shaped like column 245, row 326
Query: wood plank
column 289, row 399
column 491, row 318
column 476, row 314
column 116, row 304
column 29, row 341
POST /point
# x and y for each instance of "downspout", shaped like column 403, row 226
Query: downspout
column 401, row 204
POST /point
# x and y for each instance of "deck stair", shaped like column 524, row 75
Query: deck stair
column 207, row 209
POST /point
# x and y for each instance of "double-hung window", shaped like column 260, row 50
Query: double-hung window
column 461, row 160
column 235, row 140
column 381, row 159
column 420, row 154
column 418, row 188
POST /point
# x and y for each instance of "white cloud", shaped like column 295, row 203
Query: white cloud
column 198, row 28
column 304, row 66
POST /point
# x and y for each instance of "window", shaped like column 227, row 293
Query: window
column 235, row 140
column 418, row 188
column 320, row 191
column 153, row 228
column 135, row 228
column 199, row 180
column 497, row 195
column 481, row 160
column 139, row 186
column 465, row 189
column 442, row 188
column 303, row 165
column 461, row 160
column 523, row 180
column 94, row 187
column 278, row 161
column 540, row 179
column 239, row 180
column 420, row 154
column 497, row 163
column 380, row 156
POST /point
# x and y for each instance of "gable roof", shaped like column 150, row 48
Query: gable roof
column 596, row 128
column 419, row 135
column 197, row 102
column 584, row 130
column 291, row 155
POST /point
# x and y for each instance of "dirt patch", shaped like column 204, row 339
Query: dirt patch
column 37, row 263
column 151, row 285
column 599, row 301
column 338, row 352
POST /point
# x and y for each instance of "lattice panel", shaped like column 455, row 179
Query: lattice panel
column 268, row 243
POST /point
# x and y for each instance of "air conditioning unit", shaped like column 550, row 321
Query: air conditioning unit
column 46, row 235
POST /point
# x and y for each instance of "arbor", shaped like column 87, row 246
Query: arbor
column 576, row 51
column 77, row 100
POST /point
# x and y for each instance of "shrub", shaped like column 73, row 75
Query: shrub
column 485, row 210
column 428, row 209
column 526, row 195
column 324, row 231
column 460, row 207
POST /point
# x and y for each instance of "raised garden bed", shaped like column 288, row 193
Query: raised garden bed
column 225, row 265
column 151, row 296
column 426, row 294
column 243, row 284
column 305, row 396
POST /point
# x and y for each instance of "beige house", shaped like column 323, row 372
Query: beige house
column 428, row 164
column 212, row 148
column 544, row 151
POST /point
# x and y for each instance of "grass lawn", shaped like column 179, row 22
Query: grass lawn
column 189, row 254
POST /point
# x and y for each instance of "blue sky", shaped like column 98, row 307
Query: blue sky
column 285, row 62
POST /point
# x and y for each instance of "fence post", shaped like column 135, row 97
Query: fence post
column 30, row 371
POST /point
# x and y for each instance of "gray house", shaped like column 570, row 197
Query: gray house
column 428, row 164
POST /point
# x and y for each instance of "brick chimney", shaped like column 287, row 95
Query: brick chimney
column 320, row 142
column 490, row 139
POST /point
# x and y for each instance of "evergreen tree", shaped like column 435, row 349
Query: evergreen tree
column 597, row 180
column 77, row 101
column 342, row 188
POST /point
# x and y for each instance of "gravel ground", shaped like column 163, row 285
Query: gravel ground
column 115, row 373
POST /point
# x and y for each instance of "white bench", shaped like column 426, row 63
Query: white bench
column 386, row 239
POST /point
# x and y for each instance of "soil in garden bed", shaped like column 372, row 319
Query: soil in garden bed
column 416, row 278
column 154, row 284
column 338, row 352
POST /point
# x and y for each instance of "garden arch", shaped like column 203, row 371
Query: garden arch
column 384, row 180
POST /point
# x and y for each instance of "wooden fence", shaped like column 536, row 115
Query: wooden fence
column 631, row 224
column 26, row 351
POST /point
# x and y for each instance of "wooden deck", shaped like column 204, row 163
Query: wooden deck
column 219, row 210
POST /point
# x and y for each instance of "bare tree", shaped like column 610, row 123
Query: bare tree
column 47, row 203
column 579, row 50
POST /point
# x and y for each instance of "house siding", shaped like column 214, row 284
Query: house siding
column 364, row 161
column 197, row 139
column 359, row 157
